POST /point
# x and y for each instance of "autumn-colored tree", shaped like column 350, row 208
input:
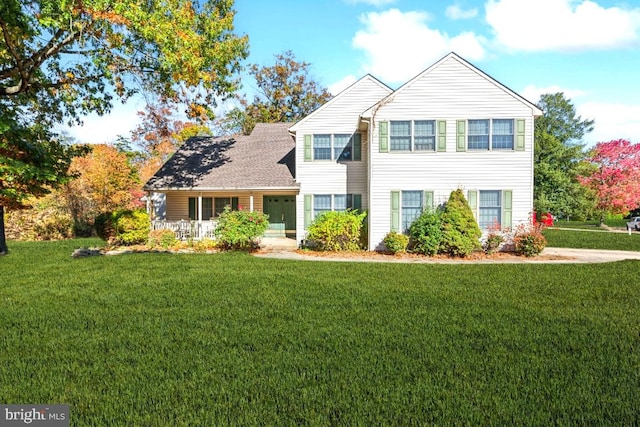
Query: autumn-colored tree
column 106, row 182
column 62, row 59
column 159, row 134
column 616, row 180
column 286, row 93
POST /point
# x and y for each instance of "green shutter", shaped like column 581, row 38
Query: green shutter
column 472, row 197
column 428, row 200
column 442, row 135
column 384, row 137
column 519, row 134
column 192, row 208
column 357, row 201
column 461, row 135
column 307, row 148
column 357, row 146
column 234, row 203
column 307, row 210
column 507, row 208
column 395, row 211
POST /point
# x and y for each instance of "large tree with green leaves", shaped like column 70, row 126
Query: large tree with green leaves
column 61, row 59
column 560, row 159
column 286, row 93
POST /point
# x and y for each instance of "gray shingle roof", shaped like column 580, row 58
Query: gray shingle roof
column 264, row 159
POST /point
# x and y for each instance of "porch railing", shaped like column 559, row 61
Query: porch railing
column 185, row 230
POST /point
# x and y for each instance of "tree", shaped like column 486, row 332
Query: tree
column 559, row 158
column 32, row 162
column 616, row 180
column 62, row 59
column 286, row 93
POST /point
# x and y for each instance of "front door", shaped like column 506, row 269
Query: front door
column 281, row 211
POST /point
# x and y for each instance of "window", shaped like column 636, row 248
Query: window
column 502, row 137
column 322, row 147
column 418, row 135
column 342, row 147
column 400, row 136
column 499, row 131
column 321, row 203
column 489, row 209
column 411, row 208
column 478, row 134
column 337, row 147
column 207, row 207
column 425, row 135
column 193, row 208
column 220, row 204
column 335, row 202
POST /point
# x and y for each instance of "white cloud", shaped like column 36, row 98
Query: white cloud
column 376, row 3
column 612, row 121
column 398, row 45
column 532, row 93
column 456, row 12
column 342, row 84
column 561, row 25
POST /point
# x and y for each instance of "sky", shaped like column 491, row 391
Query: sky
column 588, row 49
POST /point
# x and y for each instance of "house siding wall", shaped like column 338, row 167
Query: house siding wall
column 450, row 91
column 332, row 177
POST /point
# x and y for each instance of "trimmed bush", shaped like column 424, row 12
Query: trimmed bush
column 492, row 243
column 164, row 239
column 460, row 232
column 124, row 227
column 336, row 231
column 239, row 230
column 426, row 233
column 529, row 241
column 396, row 242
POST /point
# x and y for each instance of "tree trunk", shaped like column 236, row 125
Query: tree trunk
column 3, row 241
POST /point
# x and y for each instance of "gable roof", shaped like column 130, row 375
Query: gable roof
column 264, row 159
column 454, row 56
column 343, row 93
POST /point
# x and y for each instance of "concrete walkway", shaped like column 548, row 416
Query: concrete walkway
column 286, row 249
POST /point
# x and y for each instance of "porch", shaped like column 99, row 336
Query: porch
column 187, row 230
column 198, row 230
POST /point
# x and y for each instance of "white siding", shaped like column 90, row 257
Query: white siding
column 340, row 116
column 450, row 91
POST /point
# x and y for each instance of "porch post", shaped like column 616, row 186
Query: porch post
column 250, row 202
column 149, row 204
column 200, row 208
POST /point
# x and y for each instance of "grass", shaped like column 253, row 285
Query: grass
column 592, row 240
column 156, row 339
column 593, row 224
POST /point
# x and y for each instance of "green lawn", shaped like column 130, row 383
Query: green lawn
column 157, row 339
column 592, row 239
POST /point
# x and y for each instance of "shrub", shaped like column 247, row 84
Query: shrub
column 426, row 233
column 124, row 227
column 44, row 220
column 336, row 231
column 239, row 230
column 529, row 241
column 163, row 238
column 396, row 242
column 460, row 232
column 492, row 242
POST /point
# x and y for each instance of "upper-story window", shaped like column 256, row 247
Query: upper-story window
column 338, row 147
column 498, row 131
column 412, row 135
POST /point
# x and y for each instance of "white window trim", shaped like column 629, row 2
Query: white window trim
column 332, row 147
column 491, row 134
column 412, row 136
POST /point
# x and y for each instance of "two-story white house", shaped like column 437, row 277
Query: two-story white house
column 394, row 153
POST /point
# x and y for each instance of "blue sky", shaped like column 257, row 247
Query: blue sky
column 590, row 50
